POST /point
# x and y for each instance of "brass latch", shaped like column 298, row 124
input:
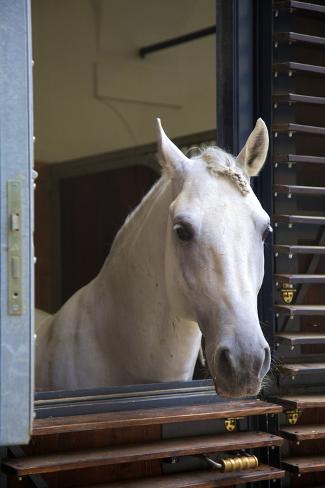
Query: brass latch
column 231, row 423
column 292, row 416
column 233, row 463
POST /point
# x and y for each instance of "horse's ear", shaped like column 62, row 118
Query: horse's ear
column 170, row 157
column 252, row 156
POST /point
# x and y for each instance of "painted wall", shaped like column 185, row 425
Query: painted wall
column 93, row 93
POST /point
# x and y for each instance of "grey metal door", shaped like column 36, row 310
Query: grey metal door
column 16, row 210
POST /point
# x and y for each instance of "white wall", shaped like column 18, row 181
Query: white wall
column 94, row 94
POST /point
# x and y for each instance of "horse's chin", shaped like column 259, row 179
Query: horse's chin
column 237, row 391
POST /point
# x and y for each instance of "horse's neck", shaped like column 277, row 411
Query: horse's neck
column 135, row 275
column 135, row 266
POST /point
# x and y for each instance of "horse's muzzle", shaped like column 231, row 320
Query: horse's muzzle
column 237, row 372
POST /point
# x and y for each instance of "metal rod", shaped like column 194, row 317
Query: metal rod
column 212, row 463
column 233, row 463
column 175, row 41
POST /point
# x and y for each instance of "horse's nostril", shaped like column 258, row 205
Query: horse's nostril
column 225, row 361
column 267, row 362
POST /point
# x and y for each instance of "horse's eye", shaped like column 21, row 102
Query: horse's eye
column 268, row 230
column 183, row 231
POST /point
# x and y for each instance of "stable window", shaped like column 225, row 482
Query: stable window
column 96, row 98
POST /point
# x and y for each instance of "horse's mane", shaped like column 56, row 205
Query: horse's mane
column 143, row 207
column 219, row 162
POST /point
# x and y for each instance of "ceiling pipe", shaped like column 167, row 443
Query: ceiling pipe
column 175, row 41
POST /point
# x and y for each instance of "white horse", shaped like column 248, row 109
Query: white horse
column 188, row 261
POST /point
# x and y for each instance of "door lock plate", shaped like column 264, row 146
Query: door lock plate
column 14, row 248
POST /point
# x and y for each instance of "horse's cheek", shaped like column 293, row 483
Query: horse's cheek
column 187, row 274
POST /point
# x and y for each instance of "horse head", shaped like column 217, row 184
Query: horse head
column 214, row 258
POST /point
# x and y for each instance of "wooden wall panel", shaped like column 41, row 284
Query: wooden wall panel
column 93, row 208
column 89, row 210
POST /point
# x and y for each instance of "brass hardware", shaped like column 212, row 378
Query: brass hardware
column 239, row 463
column 233, row 463
column 287, row 293
column 14, row 248
column 292, row 416
column 231, row 423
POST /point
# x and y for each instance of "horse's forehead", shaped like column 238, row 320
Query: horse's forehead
column 210, row 189
column 217, row 195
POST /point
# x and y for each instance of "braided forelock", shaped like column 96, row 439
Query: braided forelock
column 219, row 162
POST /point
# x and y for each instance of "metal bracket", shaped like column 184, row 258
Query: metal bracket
column 292, row 416
column 14, row 248
column 231, row 423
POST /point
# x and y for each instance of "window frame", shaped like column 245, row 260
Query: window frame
column 239, row 101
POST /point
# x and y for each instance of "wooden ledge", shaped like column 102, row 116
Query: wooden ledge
column 299, row 190
column 200, row 479
column 298, row 98
column 297, row 249
column 298, row 158
column 297, row 5
column 304, row 464
column 294, row 369
column 296, row 37
column 295, row 310
column 167, row 415
column 300, row 401
column 303, row 432
column 65, row 461
column 296, row 338
column 299, row 278
column 300, row 68
column 300, row 219
column 299, row 128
